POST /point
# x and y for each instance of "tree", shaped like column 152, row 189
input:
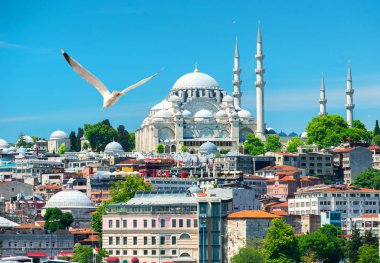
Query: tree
column 248, row 255
column 78, row 144
column 370, row 239
column 86, row 146
column 100, row 134
column 84, row 254
column 184, row 149
column 73, row 141
column 368, row 179
column 355, row 135
column 56, row 219
column 131, row 141
column 21, row 142
column 121, row 191
column 376, row 130
column 280, row 245
column 123, row 138
column 368, row 254
column 326, row 130
column 160, row 148
column 359, row 125
column 353, row 245
column 253, row 145
column 62, row 149
column 376, row 140
column 273, row 143
column 293, row 144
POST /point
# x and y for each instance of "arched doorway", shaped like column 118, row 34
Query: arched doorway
column 173, row 149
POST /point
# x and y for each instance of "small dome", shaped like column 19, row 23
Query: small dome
column 221, row 114
column 58, row 135
column 114, row 147
column 304, row 135
column 203, row 114
column 208, row 147
column 227, row 98
column 292, row 134
column 196, row 80
column 69, row 199
column 28, row 139
column 174, row 98
column 271, row 131
column 244, row 114
column 4, row 144
column 282, row 134
column 194, row 189
column 146, row 120
column 162, row 114
column 186, row 114
column 234, row 114
column 159, row 106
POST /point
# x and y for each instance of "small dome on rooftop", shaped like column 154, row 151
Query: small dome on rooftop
column 114, row 147
column 69, row 199
column 186, row 114
column 244, row 114
column 58, row 135
column 4, row 144
column 203, row 114
column 208, row 147
column 227, row 98
column 221, row 114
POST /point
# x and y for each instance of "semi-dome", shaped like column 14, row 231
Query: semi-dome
column 208, row 147
column 162, row 114
column 203, row 114
column 221, row 114
column 186, row 114
column 195, row 80
column 244, row 114
column 58, row 135
column 114, row 147
column 3, row 144
column 69, row 199
column 227, row 98
column 292, row 134
column 174, row 98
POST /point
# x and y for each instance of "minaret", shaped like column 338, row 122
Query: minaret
column 349, row 99
column 260, row 84
column 322, row 99
column 236, row 81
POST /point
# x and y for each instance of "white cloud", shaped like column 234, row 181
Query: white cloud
column 5, row 44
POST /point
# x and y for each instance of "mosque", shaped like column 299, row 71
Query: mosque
column 198, row 111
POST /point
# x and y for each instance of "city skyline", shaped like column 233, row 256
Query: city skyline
column 132, row 40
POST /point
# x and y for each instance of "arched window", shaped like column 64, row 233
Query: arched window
column 183, row 255
column 184, row 236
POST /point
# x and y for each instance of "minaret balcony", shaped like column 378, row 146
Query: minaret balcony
column 237, row 82
column 260, row 83
column 259, row 56
column 236, row 70
column 350, row 92
column 322, row 101
column 259, row 70
column 237, row 94
column 350, row 106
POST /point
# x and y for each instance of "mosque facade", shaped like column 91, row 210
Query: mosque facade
column 198, row 111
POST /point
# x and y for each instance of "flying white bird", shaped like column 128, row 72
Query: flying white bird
column 109, row 99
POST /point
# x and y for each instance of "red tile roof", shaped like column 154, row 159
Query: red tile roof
column 369, row 216
column 280, row 212
column 28, row 226
column 280, row 168
column 344, row 150
column 252, row 214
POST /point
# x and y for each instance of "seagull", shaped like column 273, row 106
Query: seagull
column 109, row 99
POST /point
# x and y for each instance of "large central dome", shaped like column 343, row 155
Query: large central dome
column 69, row 199
column 196, row 80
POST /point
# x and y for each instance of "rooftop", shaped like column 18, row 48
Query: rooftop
column 252, row 214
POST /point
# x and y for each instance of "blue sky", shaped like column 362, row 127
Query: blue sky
column 122, row 42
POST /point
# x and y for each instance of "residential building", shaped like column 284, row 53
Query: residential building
column 245, row 164
column 34, row 168
column 367, row 222
column 269, row 171
column 256, row 182
column 283, row 185
column 243, row 198
column 317, row 163
column 332, row 217
column 47, row 190
column 284, row 158
column 178, row 184
column 11, row 189
column 375, row 156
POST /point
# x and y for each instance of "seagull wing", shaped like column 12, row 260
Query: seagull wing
column 141, row 82
column 88, row 76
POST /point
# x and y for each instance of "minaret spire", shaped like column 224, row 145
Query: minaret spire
column 260, row 84
column 322, row 99
column 236, row 81
column 350, row 98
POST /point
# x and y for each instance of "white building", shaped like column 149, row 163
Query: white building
column 56, row 139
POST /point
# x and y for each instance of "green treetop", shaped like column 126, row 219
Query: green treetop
column 293, row 144
column 62, row 149
column 100, row 134
column 253, row 145
column 56, row 219
column 368, row 179
column 160, row 148
column 273, row 144
column 376, row 130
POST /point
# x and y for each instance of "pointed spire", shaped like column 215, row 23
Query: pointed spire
column 349, row 72
column 196, row 67
column 322, row 83
column 236, row 49
column 259, row 34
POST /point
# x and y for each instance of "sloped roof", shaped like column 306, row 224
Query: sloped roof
column 7, row 223
column 252, row 214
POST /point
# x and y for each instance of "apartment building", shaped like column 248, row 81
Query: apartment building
column 317, row 163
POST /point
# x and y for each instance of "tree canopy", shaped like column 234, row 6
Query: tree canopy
column 368, row 179
column 100, row 134
column 84, row 254
column 62, row 149
column 123, row 138
column 273, row 144
column 160, row 148
column 376, row 129
column 21, row 142
column 253, row 145
column 56, row 219
column 293, row 144
column 368, row 254
column 73, row 141
column 248, row 255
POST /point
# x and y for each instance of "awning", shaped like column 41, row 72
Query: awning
column 112, row 259
column 36, row 254
column 65, row 254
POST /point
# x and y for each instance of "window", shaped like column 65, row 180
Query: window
column 109, row 223
column 162, row 240
column 153, row 240
column 174, row 252
column 153, row 252
column 145, row 252
column 180, row 223
column 184, row 236
column 174, row 240
column 117, row 252
column 134, row 223
column 135, row 241
column 110, row 252
column 110, row 241
column 134, row 252
column 117, row 240
column 162, row 223
column 145, row 223
column 117, row 223
column 125, row 252
column 153, row 223
column 125, row 223
column 145, row 240
column 188, row 223
column 174, row 223
column 162, row 252
column 195, row 222
column 125, row 240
